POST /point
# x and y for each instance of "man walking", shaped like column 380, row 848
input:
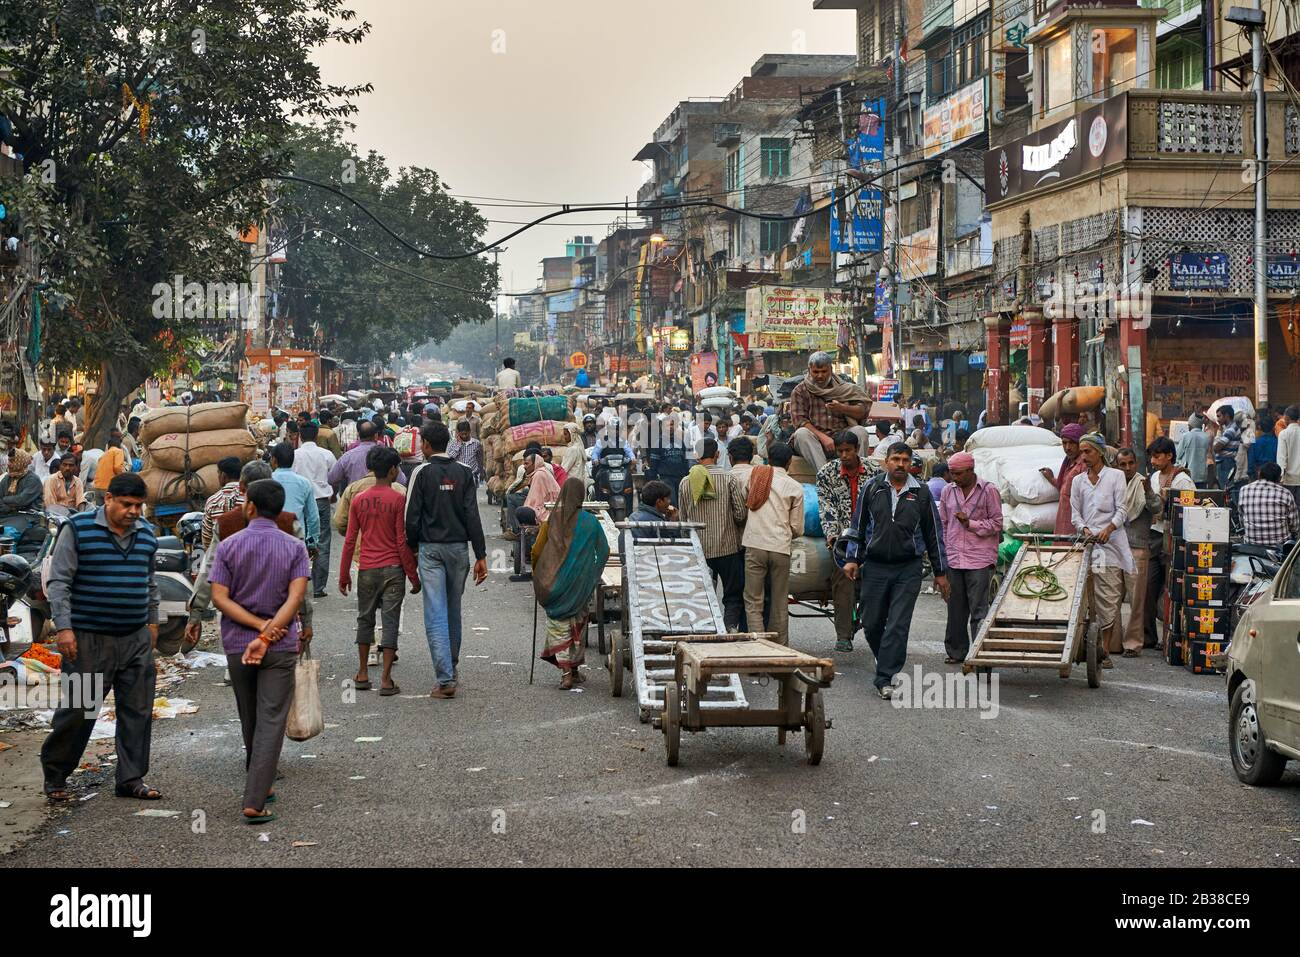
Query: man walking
column 971, row 511
column 707, row 495
column 104, row 602
column 299, row 493
column 259, row 582
column 441, row 519
column 352, row 466
column 508, row 377
column 775, row 506
column 1097, row 508
column 468, row 451
column 229, row 496
column 1226, row 446
column 386, row 560
column 897, row 522
column 1288, row 452
column 839, row 485
column 1194, row 450
column 314, row 464
column 1142, row 506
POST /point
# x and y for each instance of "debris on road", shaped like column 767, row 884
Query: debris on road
column 156, row 812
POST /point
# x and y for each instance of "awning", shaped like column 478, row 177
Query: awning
column 653, row 150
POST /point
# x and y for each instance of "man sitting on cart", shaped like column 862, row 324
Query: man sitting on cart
column 1097, row 505
column 822, row 406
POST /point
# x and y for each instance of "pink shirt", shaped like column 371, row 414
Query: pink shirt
column 974, row 545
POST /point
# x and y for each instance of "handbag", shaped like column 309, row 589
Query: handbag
column 306, row 720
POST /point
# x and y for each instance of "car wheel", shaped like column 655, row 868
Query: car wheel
column 1253, row 762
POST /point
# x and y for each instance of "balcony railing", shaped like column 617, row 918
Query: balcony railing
column 1163, row 124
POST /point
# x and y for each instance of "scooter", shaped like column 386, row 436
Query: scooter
column 1252, row 572
column 613, row 482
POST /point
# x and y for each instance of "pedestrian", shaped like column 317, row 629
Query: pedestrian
column 352, row 466
column 315, row 464
column 1064, row 477
column 1264, row 448
column 1097, row 506
column 774, row 502
column 20, row 489
column 299, row 493
column 468, row 451
column 568, row 558
column 896, row 523
column 666, row 459
column 131, row 438
column 707, row 495
column 970, row 509
column 223, row 500
column 839, row 486
column 1194, row 450
column 1269, row 514
column 326, row 436
column 44, row 463
column 508, row 377
column 104, row 603
column 259, row 581
column 1142, row 507
column 442, row 519
column 1226, row 446
column 63, row 489
column 386, row 563
column 938, row 478
column 1288, row 451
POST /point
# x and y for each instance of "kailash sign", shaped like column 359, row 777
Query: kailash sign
column 794, row 318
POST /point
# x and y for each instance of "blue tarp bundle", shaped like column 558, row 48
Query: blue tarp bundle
column 812, row 519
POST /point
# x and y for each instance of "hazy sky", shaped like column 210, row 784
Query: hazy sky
column 557, row 116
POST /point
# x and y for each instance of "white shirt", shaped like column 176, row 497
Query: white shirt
column 1094, row 507
column 1181, row 480
column 89, row 459
column 40, row 467
column 508, row 379
column 1288, row 453
column 314, row 463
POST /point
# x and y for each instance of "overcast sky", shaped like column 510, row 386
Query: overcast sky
column 556, row 116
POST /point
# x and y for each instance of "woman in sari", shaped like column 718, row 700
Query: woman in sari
column 1071, row 466
column 568, row 559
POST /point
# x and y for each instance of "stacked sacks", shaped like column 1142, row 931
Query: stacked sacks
column 1010, row 456
column 182, row 446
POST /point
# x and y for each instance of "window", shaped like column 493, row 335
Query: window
column 733, row 171
column 735, row 238
column 1114, row 61
column 776, row 157
column 775, row 235
column 1180, row 65
column 959, row 62
column 1058, row 73
column 1017, row 66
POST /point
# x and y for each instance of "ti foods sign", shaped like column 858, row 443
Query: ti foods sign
column 1085, row 143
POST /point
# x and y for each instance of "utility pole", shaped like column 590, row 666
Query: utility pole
column 1251, row 20
column 496, row 299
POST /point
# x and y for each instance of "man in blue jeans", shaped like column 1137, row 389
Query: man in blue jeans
column 441, row 519
column 896, row 522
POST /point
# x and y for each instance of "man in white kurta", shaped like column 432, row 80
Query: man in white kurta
column 1098, row 511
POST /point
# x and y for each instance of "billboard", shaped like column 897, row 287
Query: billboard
column 792, row 318
column 857, row 221
column 954, row 119
column 867, row 145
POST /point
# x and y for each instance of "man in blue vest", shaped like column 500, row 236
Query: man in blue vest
column 104, row 602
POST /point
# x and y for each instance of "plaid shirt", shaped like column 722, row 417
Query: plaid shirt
column 1268, row 512
column 470, row 455
column 835, row 499
column 227, row 497
column 806, row 406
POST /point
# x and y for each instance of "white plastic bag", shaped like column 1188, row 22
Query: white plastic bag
column 306, row 719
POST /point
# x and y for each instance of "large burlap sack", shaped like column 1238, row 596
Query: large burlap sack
column 810, row 568
column 549, row 432
column 203, row 417
column 169, row 488
column 205, row 448
column 1029, row 518
column 1010, row 436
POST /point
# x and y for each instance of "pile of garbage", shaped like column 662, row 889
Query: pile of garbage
column 1010, row 456
column 183, row 444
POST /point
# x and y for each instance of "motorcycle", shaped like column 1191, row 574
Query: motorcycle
column 613, row 482
column 1252, row 572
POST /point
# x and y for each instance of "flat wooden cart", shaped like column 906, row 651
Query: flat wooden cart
column 609, row 590
column 701, row 659
column 1022, row 631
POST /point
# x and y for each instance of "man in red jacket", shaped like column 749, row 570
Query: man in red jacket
column 378, row 516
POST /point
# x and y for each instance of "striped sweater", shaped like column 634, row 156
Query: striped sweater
column 111, row 587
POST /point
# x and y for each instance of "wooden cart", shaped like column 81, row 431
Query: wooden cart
column 700, row 659
column 1027, row 632
column 609, row 590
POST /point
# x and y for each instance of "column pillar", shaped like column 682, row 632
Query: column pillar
column 1036, row 326
column 1065, row 353
column 1133, row 346
column 997, row 346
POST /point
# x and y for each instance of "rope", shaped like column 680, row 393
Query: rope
column 1039, row 580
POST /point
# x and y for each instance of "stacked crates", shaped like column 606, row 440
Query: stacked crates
column 1197, row 608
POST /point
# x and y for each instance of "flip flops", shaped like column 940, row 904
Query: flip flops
column 389, row 692
column 140, row 791
column 362, row 685
column 263, row 818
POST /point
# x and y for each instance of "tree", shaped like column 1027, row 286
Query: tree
column 148, row 128
column 352, row 286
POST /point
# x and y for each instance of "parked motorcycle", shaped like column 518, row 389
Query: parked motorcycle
column 613, row 482
column 1253, row 569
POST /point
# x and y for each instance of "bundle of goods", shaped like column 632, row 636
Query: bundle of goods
column 1010, row 457
column 1081, row 398
column 811, row 566
column 184, row 444
column 1197, row 611
column 716, row 398
column 470, row 387
column 546, row 432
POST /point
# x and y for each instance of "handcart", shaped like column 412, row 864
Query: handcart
column 701, row 660
column 1039, row 617
column 667, row 593
column 609, row 590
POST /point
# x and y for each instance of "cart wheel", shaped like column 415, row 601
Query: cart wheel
column 519, row 553
column 672, row 722
column 814, row 726
column 1093, row 641
column 614, row 662
column 600, row 620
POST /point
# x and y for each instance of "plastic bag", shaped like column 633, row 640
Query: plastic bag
column 306, row 720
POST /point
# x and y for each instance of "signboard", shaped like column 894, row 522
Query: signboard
column 1019, row 336
column 1095, row 138
column 868, row 145
column 888, row 389
column 578, row 360
column 954, row 119
column 857, row 222
column 785, row 318
column 704, row 370
column 1284, row 273
column 1198, row 271
column 679, row 340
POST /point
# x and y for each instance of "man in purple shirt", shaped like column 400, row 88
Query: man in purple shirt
column 352, row 466
column 971, row 511
column 259, row 579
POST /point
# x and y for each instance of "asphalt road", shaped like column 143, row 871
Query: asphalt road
column 1135, row 773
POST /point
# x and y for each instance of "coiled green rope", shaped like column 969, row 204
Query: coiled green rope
column 1038, row 581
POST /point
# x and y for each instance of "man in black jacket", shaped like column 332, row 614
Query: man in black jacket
column 441, row 517
column 895, row 524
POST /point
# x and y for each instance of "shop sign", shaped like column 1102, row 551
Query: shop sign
column 785, row 318
column 1019, row 337
column 857, row 222
column 868, row 145
column 938, row 363
column 679, row 341
column 1095, row 138
column 1198, row 271
column 977, row 360
column 1284, row 273
column 954, row 119
column 888, row 390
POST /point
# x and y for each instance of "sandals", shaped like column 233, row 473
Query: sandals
column 950, row 660
column 389, row 692
column 1132, row 654
column 266, row 817
column 140, row 791
column 59, row 795
column 566, row 682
